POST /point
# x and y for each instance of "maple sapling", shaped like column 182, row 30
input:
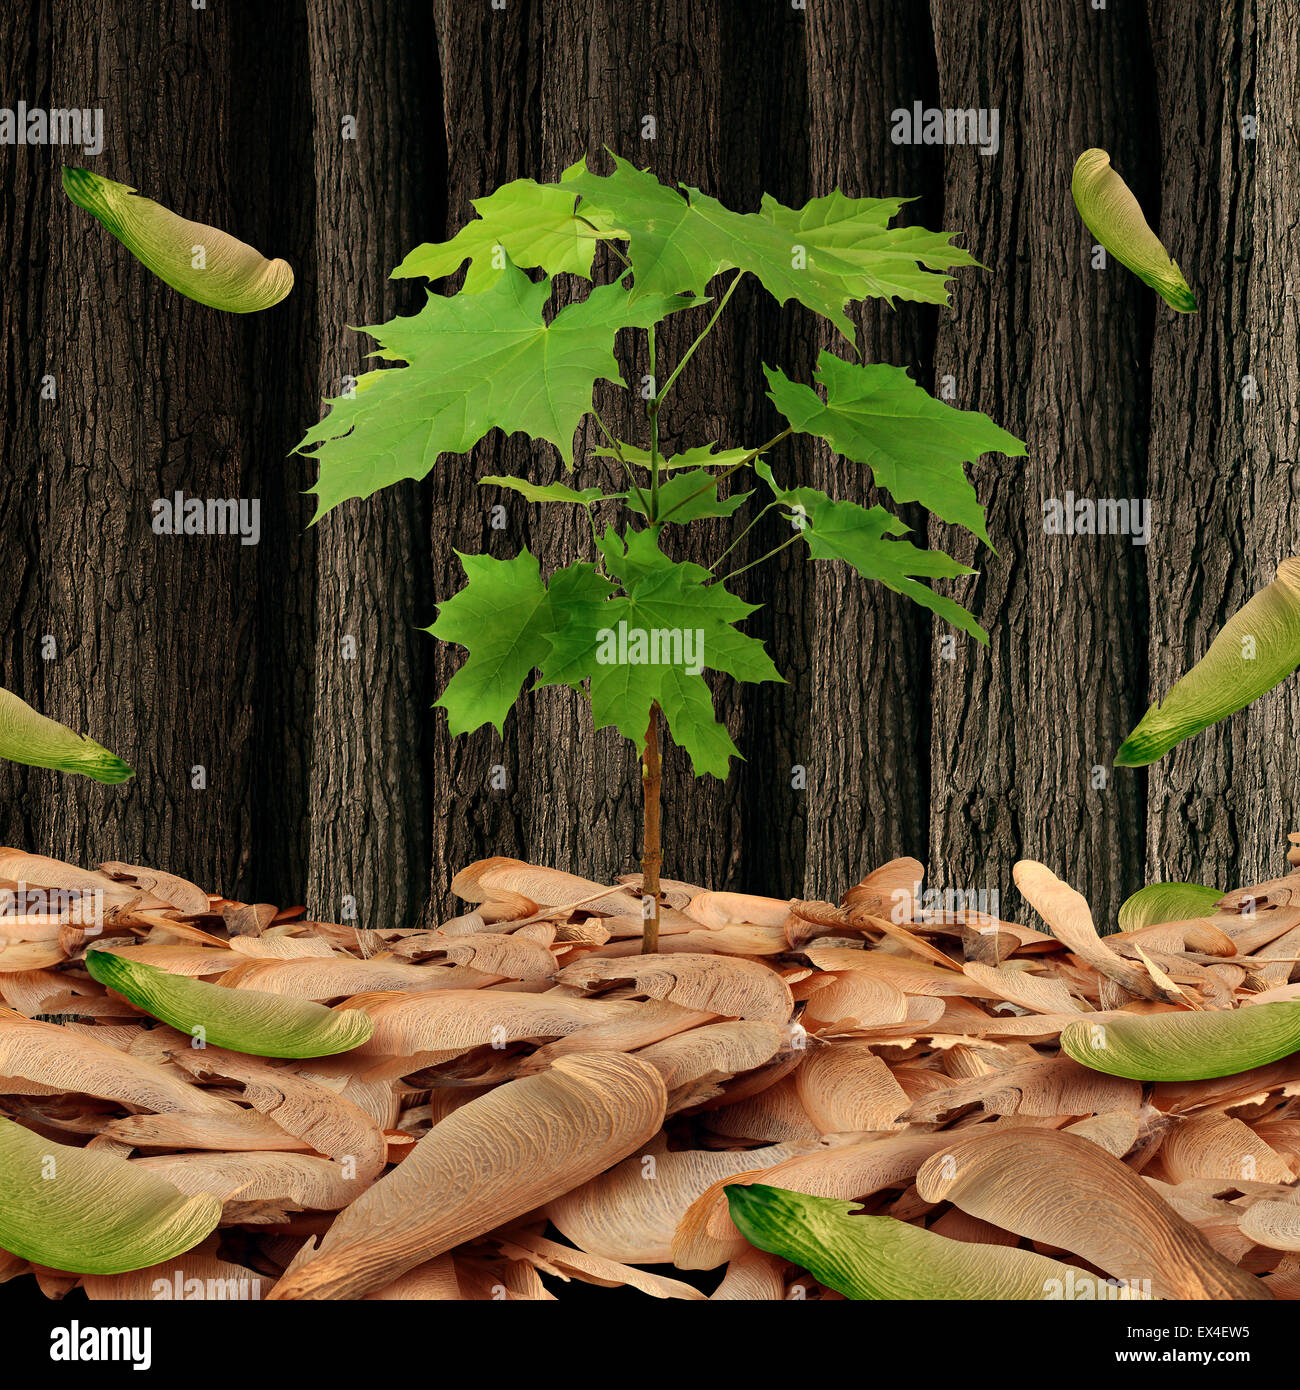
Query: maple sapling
column 629, row 627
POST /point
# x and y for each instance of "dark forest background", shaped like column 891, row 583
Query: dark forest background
column 328, row 777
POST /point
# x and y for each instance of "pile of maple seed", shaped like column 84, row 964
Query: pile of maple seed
column 539, row 1102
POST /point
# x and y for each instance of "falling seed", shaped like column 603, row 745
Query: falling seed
column 1112, row 214
column 31, row 738
column 201, row 262
column 1258, row 647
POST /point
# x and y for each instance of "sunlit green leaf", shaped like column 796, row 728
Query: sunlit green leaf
column 868, row 539
column 551, row 492
column 475, row 362
column 893, row 262
column 701, row 456
column 653, row 643
column 914, row 445
column 688, row 496
column 822, row 255
column 534, row 223
column 505, row 617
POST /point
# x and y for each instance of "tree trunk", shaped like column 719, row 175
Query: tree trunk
column 1085, row 83
column 370, row 64
column 868, row 731
column 1267, row 801
column 154, row 633
column 271, row 67
column 480, row 785
column 979, row 694
column 1195, row 572
column 31, row 177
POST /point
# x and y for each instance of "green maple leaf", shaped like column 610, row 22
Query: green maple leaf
column 688, row 496
column 552, row 492
column 632, row 557
column 534, row 223
column 893, row 262
column 868, row 540
column 700, row 456
column 914, row 445
column 504, row 616
column 474, row 362
column 661, row 597
column 675, row 242
column 822, row 255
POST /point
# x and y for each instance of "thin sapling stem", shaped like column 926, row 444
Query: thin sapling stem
column 704, row 333
column 651, row 853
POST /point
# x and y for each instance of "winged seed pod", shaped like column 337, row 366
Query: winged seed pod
column 244, row 1020
column 201, row 262
column 1193, row 1046
column 89, row 1212
column 878, row 1257
column 1112, row 214
column 1258, row 647
column 1062, row 1190
column 902, row 1084
column 494, row 1159
column 31, row 738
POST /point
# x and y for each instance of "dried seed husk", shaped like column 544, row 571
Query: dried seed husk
column 76, row 1060
column 629, row 1214
column 726, row 985
column 1070, row 918
column 1064, row 1191
column 507, row 1152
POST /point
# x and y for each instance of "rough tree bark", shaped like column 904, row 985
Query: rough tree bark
column 1267, row 804
column 374, row 109
column 869, row 783
column 480, row 785
column 978, row 698
column 28, row 175
column 271, row 69
column 1196, row 577
column 1085, row 84
column 154, row 633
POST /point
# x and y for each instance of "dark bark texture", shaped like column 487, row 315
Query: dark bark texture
column 275, row 701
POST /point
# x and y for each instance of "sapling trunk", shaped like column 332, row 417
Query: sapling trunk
column 652, row 854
